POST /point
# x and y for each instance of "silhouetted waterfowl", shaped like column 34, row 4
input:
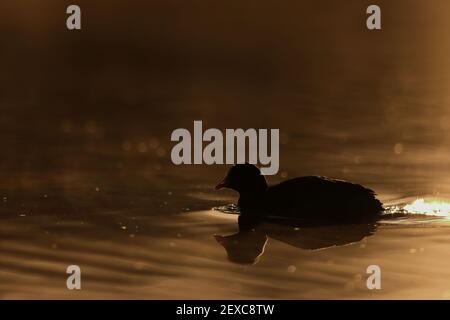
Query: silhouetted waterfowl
column 248, row 247
column 311, row 201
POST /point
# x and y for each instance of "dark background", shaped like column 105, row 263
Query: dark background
column 104, row 100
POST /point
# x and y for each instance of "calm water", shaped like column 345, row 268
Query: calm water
column 85, row 123
column 151, row 233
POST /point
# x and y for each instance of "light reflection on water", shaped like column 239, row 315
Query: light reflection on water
column 430, row 207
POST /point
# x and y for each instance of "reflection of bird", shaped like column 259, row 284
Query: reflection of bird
column 247, row 247
column 309, row 200
column 243, row 247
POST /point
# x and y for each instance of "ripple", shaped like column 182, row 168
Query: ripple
column 228, row 209
column 422, row 207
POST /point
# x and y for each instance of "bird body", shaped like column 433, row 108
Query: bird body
column 311, row 200
column 321, row 199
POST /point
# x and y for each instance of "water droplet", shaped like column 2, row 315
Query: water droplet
column 398, row 148
column 291, row 269
column 142, row 147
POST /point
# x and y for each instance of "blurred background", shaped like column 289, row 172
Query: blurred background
column 349, row 102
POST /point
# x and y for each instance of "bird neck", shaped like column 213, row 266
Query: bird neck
column 251, row 200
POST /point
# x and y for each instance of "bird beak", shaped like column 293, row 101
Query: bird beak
column 222, row 184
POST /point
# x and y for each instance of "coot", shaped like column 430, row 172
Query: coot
column 310, row 201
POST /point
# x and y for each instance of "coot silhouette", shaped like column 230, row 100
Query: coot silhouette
column 310, row 201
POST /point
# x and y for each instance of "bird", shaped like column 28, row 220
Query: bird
column 309, row 200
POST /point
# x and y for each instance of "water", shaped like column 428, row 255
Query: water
column 85, row 124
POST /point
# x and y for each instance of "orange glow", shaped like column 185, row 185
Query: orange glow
column 430, row 207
